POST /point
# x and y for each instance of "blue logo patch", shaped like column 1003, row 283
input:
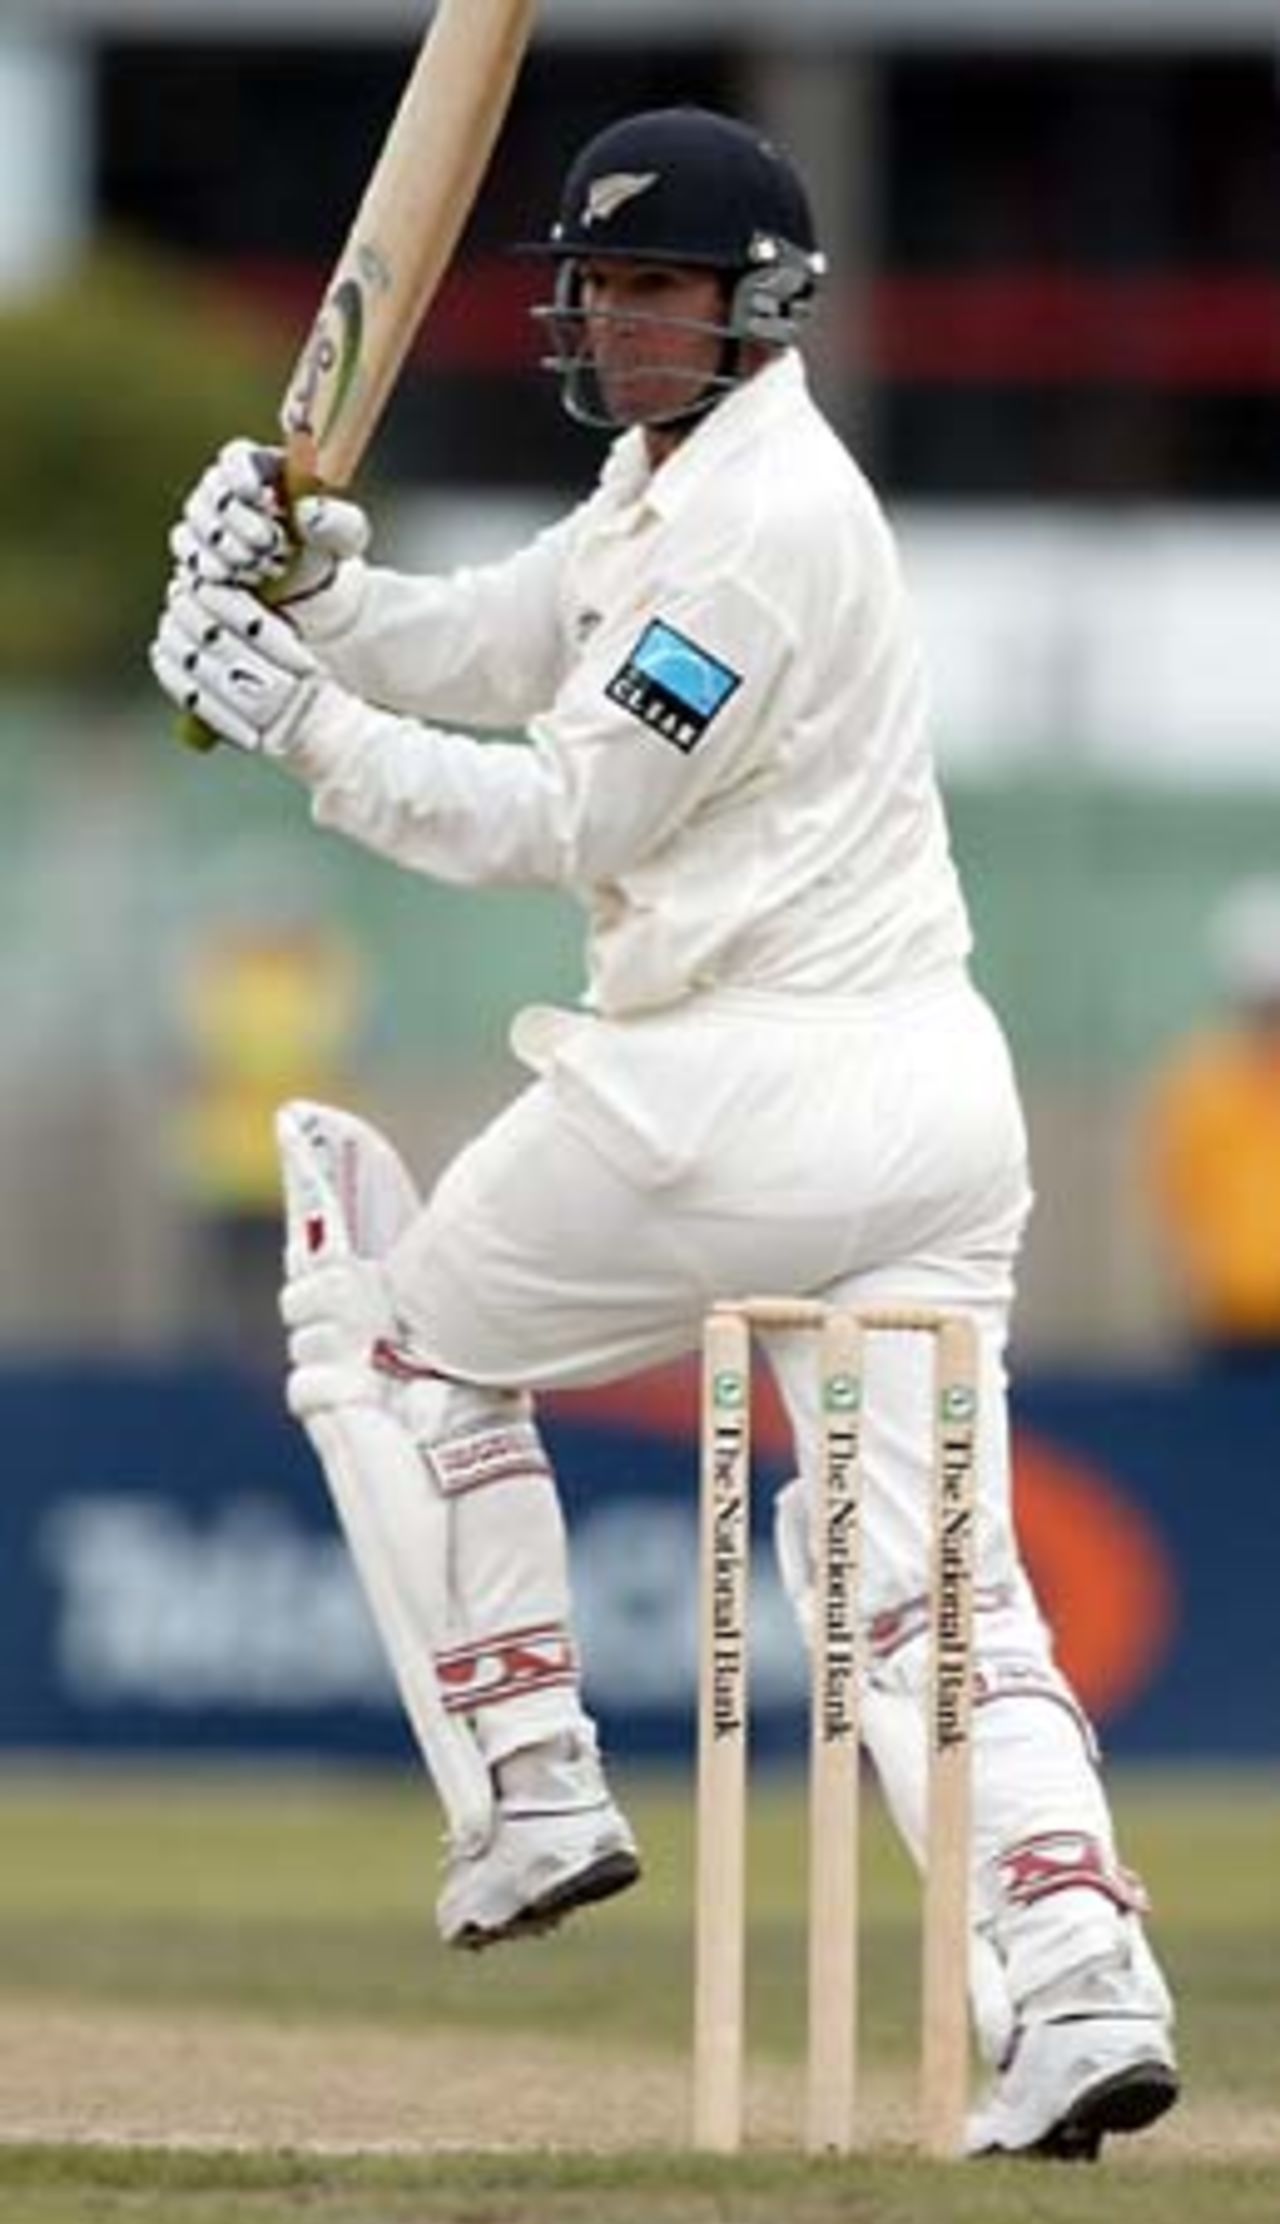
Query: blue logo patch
column 672, row 685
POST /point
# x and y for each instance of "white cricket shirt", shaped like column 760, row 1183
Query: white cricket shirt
column 718, row 673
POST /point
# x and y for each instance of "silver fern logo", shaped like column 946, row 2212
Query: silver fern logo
column 606, row 196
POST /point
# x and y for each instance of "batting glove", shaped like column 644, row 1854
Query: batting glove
column 239, row 529
column 221, row 655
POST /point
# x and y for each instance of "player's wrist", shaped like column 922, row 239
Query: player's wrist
column 329, row 605
column 318, row 732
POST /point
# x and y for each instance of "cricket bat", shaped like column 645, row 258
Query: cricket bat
column 416, row 203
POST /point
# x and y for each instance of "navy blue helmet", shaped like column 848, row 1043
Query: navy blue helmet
column 682, row 185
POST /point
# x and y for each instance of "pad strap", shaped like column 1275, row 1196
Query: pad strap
column 1066, row 1861
column 511, row 1452
column 512, row 1664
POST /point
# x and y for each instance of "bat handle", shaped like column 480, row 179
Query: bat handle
column 300, row 477
column 193, row 733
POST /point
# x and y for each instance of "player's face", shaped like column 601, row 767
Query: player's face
column 650, row 333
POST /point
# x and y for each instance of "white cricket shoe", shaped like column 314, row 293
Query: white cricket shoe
column 560, row 1843
column 1071, row 2081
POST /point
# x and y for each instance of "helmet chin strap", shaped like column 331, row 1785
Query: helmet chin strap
column 728, row 373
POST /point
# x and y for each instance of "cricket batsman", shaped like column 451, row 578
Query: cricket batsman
column 780, row 1075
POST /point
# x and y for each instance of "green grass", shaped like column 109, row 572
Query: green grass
column 205, row 2189
column 307, row 1903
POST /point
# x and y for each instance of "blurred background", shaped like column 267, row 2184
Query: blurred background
column 1053, row 339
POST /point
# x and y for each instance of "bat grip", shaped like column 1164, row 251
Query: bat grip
column 298, row 478
column 193, row 733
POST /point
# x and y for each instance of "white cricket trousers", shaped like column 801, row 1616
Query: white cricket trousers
column 867, row 1151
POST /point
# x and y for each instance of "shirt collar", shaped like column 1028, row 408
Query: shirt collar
column 733, row 426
